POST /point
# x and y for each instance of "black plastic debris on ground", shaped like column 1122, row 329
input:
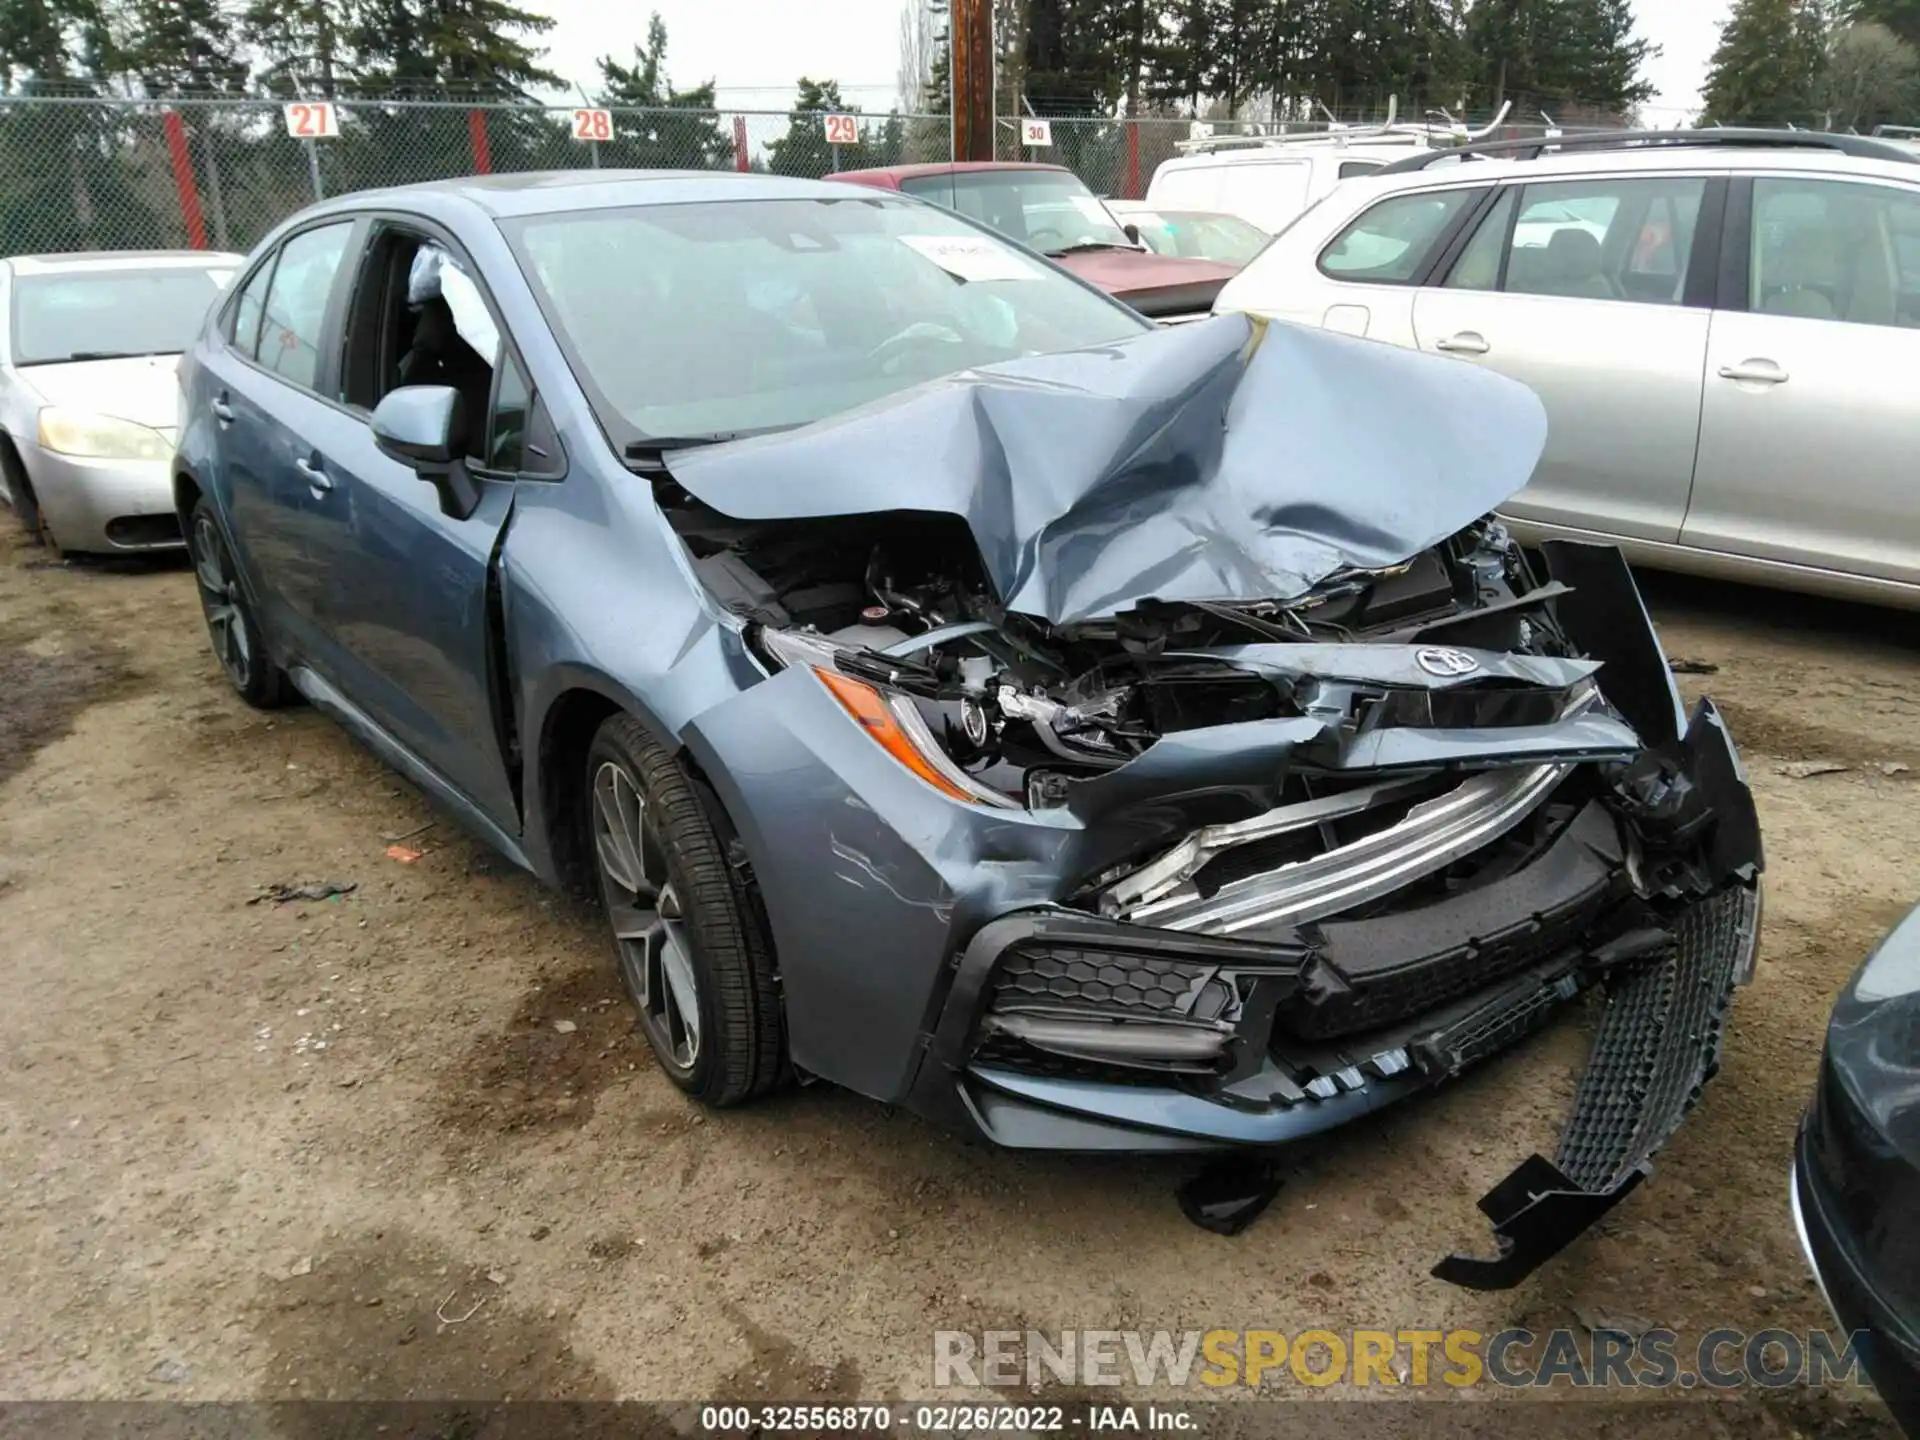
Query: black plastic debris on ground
column 312, row 890
column 1230, row 1193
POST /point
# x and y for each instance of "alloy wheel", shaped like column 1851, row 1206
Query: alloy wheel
column 649, row 925
column 220, row 598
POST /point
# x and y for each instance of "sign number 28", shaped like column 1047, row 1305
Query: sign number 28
column 592, row 125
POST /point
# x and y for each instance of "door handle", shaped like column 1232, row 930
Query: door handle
column 317, row 479
column 1465, row 343
column 1755, row 372
column 222, row 411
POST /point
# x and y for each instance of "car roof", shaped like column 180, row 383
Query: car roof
column 1147, row 207
column 83, row 261
column 944, row 167
column 545, row 192
column 1653, row 160
column 1384, row 151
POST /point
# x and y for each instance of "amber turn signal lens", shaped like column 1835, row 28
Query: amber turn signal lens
column 869, row 708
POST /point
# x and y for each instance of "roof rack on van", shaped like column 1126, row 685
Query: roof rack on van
column 1858, row 146
column 1338, row 137
column 1897, row 132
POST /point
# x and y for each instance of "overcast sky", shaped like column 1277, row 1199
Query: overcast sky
column 756, row 49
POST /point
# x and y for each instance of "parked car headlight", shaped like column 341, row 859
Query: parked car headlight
column 1892, row 972
column 890, row 718
column 100, row 437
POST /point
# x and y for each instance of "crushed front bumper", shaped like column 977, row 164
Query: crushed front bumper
column 993, row 969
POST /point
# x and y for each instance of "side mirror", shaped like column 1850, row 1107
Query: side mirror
column 424, row 427
column 1131, row 231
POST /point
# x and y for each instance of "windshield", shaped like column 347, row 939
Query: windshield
column 719, row 318
column 100, row 314
column 1199, row 235
column 1051, row 210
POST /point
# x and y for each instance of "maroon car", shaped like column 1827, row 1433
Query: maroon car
column 1050, row 209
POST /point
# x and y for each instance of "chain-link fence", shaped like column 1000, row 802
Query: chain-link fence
column 91, row 174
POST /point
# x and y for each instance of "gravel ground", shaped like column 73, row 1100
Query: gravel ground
column 247, row 1149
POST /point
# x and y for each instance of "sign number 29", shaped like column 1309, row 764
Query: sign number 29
column 592, row 125
column 842, row 130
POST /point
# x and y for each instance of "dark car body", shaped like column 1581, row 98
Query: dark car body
column 1158, row 286
column 1856, row 1174
column 1151, row 745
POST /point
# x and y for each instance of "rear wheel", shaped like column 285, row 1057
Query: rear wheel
column 692, row 951
column 230, row 624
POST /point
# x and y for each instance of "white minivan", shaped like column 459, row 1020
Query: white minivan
column 1268, row 181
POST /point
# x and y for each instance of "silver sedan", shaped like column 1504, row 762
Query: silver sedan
column 88, row 393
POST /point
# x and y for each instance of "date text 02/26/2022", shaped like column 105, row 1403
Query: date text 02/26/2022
column 942, row 1419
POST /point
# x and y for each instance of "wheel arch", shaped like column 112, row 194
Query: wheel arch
column 555, row 783
column 187, row 491
column 16, row 464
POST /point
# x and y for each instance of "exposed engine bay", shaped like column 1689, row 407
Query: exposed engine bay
column 1026, row 709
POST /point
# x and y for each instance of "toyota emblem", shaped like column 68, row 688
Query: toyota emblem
column 1447, row 664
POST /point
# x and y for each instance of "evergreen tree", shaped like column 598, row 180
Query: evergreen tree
column 1767, row 66
column 183, row 47
column 1074, row 56
column 302, row 43
column 803, row 150
column 1508, row 37
column 655, row 141
column 470, row 47
column 1604, row 58
column 52, row 44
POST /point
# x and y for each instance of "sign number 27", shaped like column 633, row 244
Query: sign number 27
column 311, row 120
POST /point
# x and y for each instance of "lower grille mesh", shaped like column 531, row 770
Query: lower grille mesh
column 1659, row 1043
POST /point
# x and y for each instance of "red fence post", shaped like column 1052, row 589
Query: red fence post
column 183, row 179
column 740, row 161
column 1133, row 160
column 477, row 129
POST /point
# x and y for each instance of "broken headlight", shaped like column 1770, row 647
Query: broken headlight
column 890, row 716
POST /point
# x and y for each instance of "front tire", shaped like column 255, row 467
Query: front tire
column 231, row 628
column 692, row 951
column 26, row 506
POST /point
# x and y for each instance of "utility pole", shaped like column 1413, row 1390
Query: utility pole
column 971, row 65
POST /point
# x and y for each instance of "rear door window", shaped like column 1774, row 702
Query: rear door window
column 1603, row 239
column 1393, row 241
column 248, row 306
column 1836, row 250
column 296, row 303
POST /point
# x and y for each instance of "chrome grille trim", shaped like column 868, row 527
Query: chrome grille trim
column 1434, row 834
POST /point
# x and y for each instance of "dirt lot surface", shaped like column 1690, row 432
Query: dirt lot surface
column 254, row 1149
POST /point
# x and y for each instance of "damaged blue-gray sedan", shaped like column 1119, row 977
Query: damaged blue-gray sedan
column 1088, row 735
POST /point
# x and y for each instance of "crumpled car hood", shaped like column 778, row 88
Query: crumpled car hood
column 1228, row 460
